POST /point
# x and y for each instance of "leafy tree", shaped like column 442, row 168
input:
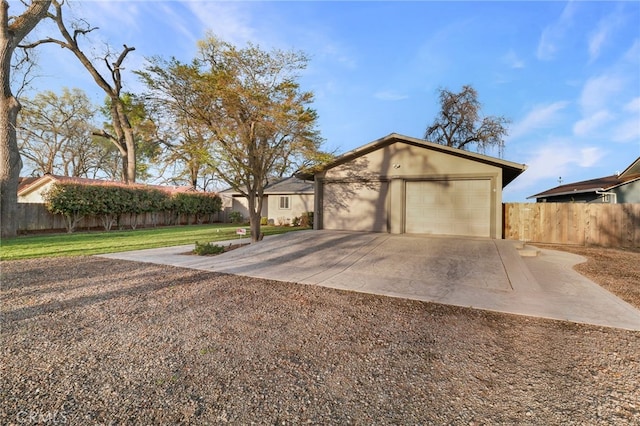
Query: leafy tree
column 251, row 105
column 123, row 133
column 187, row 142
column 54, row 133
column 13, row 29
column 459, row 124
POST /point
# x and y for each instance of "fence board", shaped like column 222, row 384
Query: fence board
column 607, row 225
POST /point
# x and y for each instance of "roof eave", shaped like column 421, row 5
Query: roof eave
column 510, row 169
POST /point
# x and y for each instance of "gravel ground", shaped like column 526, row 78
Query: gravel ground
column 97, row 341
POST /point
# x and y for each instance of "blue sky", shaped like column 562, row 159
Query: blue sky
column 567, row 74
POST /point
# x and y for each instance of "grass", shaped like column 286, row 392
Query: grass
column 89, row 243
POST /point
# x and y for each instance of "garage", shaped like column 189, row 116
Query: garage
column 355, row 206
column 448, row 207
column 399, row 184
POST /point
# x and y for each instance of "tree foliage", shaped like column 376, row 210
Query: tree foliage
column 255, row 120
column 187, row 142
column 111, row 202
column 12, row 31
column 460, row 125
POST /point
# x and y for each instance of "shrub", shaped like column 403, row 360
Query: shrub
column 264, row 221
column 235, row 217
column 296, row 221
column 306, row 219
column 207, row 248
column 110, row 202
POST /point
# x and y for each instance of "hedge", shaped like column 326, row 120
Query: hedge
column 110, row 202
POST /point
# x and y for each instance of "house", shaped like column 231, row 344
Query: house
column 32, row 189
column 399, row 184
column 619, row 188
column 283, row 200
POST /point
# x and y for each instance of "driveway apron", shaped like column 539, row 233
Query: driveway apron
column 474, row 272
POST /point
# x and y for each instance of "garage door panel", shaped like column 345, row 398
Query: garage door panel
column 451, row 207
column 355, row 206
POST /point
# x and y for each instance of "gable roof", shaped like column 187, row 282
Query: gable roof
column 603, row 184
column 510, row 170
column 30, row 184
column 633, row 170
column 290, row 185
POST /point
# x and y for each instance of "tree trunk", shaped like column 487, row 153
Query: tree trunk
column 255, row 210
column 10, row 163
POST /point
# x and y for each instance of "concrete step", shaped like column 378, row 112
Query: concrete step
column 528, row 251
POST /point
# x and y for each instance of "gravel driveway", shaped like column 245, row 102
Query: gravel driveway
column 99, row 341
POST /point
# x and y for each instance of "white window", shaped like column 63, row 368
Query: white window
column 284, row 202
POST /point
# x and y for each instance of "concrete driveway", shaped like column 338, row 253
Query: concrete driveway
column 479, row 273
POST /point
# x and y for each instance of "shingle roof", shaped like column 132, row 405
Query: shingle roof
column 290, row 185
column 630, row 174
column 592, row 185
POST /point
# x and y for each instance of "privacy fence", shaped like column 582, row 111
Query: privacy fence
column 34, row 217
column 607, row 225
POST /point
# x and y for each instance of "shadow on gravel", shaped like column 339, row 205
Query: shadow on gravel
column 61, row 304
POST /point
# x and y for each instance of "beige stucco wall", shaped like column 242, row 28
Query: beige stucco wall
column 298, row 204
column 241, row 204
column 35, row 196
column 399, row 162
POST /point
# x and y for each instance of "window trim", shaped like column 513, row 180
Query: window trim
column 282, row 204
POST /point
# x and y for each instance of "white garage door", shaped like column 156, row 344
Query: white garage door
column 449, row 207
column 355, row 206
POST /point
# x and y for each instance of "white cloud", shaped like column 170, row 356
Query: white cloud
column 598, row 91
column 633, row 105
column 589, row 156
column 540, row 117
column 599, row 38
column 513, row 60
column 335, row 52
column 592, row 122
column 553, row 34
column 229, row 20
column 390, row 95
column 555, row 159
column 627, row 131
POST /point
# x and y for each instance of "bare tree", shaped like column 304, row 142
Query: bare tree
column 12, row 31
column 459, row 124
column 123, row 133
column 54, row 133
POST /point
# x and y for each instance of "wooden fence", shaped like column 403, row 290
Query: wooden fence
column 34, row 217
column 607, row 225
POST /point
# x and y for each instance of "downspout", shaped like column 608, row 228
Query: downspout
column 614, row 196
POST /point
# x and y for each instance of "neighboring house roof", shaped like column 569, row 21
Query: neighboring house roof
column 30, row 184
column 603, row 184
column 510, row 170
column 290, row 185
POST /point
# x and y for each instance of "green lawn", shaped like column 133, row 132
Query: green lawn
column 88, row 243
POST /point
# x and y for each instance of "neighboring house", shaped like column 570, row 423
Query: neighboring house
column 400, row 184
column 283, row 200
column 618, row 188
column 32, row 189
